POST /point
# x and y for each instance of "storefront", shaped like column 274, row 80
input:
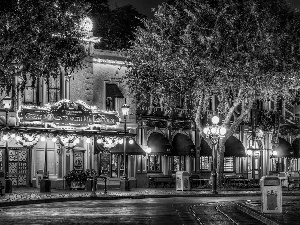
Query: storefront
column 60, row 137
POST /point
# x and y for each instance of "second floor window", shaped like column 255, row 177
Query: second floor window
column 30, row 93
column 112, row 94
column 53, row 92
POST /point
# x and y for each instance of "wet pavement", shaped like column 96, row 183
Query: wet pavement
column 144, row 206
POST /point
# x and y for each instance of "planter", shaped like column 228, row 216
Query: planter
column 76, row 186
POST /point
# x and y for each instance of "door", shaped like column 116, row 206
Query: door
column 18, row 166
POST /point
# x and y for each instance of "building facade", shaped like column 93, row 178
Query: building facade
column 163, row 144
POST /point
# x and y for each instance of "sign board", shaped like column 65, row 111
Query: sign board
column 66, row 114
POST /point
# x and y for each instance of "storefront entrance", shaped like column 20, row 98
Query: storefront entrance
column 18, row 166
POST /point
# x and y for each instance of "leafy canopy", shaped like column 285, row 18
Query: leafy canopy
column 39, row 39
column 236, row 50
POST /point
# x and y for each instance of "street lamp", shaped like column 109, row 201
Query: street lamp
column 8, row 183
column 214, row 133
column 125, row 111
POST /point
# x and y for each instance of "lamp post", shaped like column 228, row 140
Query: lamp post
column 214, row 133
column 8, row 183
column 125, row 111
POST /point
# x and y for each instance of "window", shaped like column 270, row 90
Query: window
column 205, row 162
column 53, row 90
column 177, row 163
column 112, row 94
column 295, row 165
column 228, row 164
column 30, row 96
column 154, row 163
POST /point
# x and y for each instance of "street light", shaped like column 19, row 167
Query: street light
column 8, row 183
column 214, row 133
column 125, row 111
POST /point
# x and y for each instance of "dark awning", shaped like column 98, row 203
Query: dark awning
column 131, row 149
column 183, row 145
column 284, row 149
column 159, row 144
column 205, row 150
column 296, row 147
column 112, row 90
column 234, row 147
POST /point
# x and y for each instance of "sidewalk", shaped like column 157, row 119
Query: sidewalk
column 289, row 215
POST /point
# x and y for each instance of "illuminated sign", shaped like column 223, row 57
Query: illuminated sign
column 67, row 114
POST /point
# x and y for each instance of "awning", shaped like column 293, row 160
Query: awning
column 159, row 144
column 284, row 149
column 234, row 147
column 296, row 147
column 183, row 145
column 113, row 91
column 131, row 149
column 205, row 150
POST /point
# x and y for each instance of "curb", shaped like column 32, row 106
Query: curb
column 257, row 215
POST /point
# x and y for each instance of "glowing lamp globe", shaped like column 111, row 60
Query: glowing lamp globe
column 125, row 109
column 274, row 153
column 222, row 131
column 215, row 119
column 131, row 141
column 121, row 141
column 87, row 24
column 148, row 150
column 213, row 130
column 5, row 137
column 205, row 130
column 88, row 140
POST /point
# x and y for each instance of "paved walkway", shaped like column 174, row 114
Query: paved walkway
column 289, row 215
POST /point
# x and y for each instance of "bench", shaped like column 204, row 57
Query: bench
column 200, row 180
column 156, row 180
column 293, row 180
column 234, row 180
column 194, row 180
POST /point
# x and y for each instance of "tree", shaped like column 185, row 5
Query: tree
column 40, row 39
column 238, row 51
column 117, row 27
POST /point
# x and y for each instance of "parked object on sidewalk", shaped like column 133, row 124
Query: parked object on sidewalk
column 182, row 181
column 271, row 199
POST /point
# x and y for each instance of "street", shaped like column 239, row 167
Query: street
column 175, row 210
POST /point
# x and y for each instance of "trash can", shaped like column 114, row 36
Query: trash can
column 2, row 183
column 271, row 194
column 182, row 181
column 124, row 185
column 39, row 177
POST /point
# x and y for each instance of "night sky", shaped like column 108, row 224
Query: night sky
column 144, row 6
